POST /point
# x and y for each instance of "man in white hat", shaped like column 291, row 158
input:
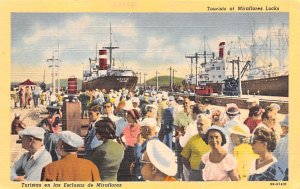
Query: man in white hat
column 158, row 162
column 281, row 150
column 149, row 130
column 31, row 163
column 70, row 167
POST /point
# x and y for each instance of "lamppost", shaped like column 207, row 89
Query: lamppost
column 157, row 80
column 173, row 79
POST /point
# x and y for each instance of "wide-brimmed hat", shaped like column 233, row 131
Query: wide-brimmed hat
column 71, row 138
column 232, row 109
column 253, row 99
column 148, row 122
column 162, row 157
column 215, row 127
column 240, row 129
column 276, row 106
column 36, row 132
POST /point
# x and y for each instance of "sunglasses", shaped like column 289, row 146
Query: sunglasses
column 107, row 106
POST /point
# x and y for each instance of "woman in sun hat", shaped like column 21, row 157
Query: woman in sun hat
column 158, row 162
column 217, row 164
column 242, row 150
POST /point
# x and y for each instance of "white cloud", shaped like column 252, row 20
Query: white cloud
column 39, row 34
column 125, row 29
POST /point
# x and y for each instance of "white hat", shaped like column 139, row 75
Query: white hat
column 180, row 98
column 150, row 105
column 253, row 99
column 17, row 114
column 136, row 100
column 232, row 109
column 215, row 127
column 148, row 122
column 240, row 129
column 71, row 138
column 285, row 122
column 276, row 106
column 33, row 131
column 171, row 98
column 164, row 96
column 146, row 94
column 162, row 157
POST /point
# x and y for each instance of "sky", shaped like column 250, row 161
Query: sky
column 148, row 42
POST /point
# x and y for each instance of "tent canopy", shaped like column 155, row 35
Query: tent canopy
column 27, row 83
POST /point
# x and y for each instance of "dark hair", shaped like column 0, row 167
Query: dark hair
column 106, row 128
column 205, row 101
column 255, row 111
column 265, row 135
column 265, row 115
column 221, row 133
column 134, row 114
column 196, row 109
column 68, row 148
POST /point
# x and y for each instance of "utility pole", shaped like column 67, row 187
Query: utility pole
column 173, row 79
column 110, row 48
column 170, row 77
column 190, row 57
column 145, row 81
column 52, row 60
column 157, row 80
column 196, row 56
column 239, row 78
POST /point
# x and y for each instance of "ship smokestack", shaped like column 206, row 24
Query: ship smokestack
column 221, row 50
column 103, row 59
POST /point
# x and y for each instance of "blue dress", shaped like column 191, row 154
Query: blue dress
column 270, row 172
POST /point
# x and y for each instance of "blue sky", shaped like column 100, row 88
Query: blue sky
column 148, row 42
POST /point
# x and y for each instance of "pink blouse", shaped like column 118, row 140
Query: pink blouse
column 131, row 133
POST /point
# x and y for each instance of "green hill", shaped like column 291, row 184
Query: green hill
column 164, row 81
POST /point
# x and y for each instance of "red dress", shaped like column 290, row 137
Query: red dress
column 252, row 123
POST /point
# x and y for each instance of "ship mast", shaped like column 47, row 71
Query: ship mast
column 110, row 48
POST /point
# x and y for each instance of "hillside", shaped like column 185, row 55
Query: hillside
column 164, row 81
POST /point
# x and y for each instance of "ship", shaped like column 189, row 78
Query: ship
column 221, row 75
column 102, row 75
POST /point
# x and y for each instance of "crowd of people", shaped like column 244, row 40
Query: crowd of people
column 28, row 97
column 157, row 137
